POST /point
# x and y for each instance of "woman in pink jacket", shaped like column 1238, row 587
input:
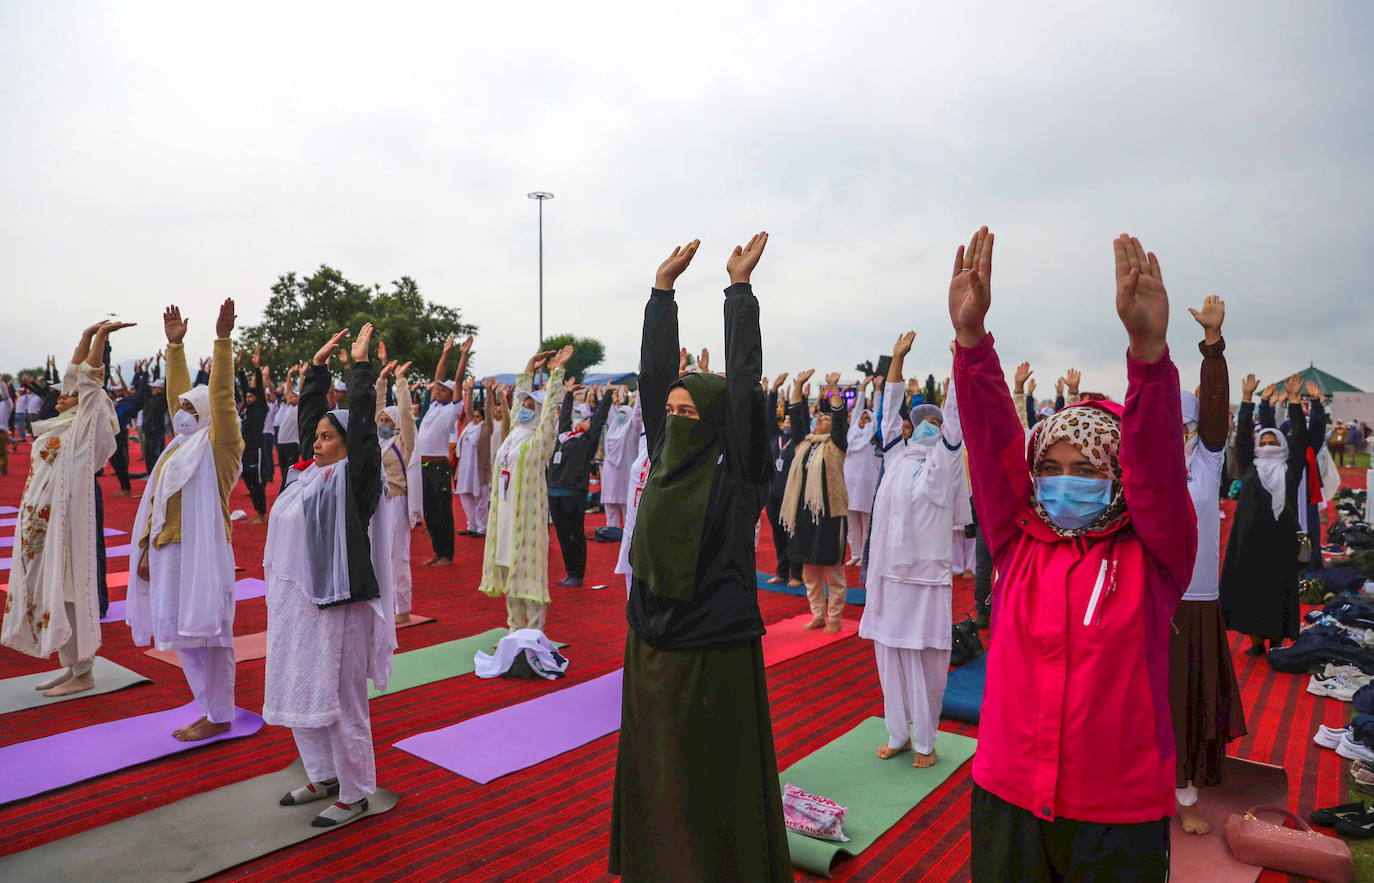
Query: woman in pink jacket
column 1093, row 534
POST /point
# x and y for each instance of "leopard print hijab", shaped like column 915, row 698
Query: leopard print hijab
column 1095, row 432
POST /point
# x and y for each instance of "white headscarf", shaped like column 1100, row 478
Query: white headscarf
column 1271, row 464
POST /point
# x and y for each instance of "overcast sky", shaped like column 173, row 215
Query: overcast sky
column 176, row 152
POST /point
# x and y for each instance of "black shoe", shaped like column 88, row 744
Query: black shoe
column 1255, row 650
column 1328, row 817
column 1356, row 827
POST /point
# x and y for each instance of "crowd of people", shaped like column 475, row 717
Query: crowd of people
column 1092, row 528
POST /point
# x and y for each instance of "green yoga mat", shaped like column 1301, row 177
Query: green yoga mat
column 876, row 793
column 438, row 662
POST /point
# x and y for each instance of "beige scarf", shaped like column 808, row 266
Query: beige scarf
column 830, row 499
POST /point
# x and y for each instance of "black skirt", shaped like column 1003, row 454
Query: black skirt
column 696, row 777
column 820, row 542
column 1204, row 696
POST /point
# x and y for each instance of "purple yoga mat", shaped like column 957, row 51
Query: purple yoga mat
column 518, row 736
column 76, row 755
column 8, row 542
column 110, row 552
column 249, row 587
column 8, row 510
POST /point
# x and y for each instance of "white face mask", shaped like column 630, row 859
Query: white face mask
column 184, row 422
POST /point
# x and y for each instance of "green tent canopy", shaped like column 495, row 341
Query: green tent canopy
column 1325, row 382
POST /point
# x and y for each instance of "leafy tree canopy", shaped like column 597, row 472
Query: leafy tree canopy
column 303, row 313
column 587, row 352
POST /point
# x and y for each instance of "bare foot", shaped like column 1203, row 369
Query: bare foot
column 179, row 732
column 442, row 562
column 430, row 562
column 1193, row 821
column 923, row 761
column 123, row 493
column 833, row 627
column 202, row 729
column 775, row 580
column 883, row 752
column 793, row 583
column 78, row 684
column 815, row 623
column 256, row 519
column 402, row 617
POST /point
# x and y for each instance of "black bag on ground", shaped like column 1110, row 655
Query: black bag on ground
column 607, row 534
column 965, row 645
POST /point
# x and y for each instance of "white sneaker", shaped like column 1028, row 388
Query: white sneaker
column 1329, row 737
column 1352, row 750
column 1351, row 673
column 1337, row 687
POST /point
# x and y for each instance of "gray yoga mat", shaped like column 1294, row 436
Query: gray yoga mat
column 19, row 693
column 187, row 840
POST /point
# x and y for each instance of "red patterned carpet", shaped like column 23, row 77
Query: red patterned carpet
column 549, row 822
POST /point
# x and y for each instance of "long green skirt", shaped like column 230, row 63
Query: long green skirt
column 696, row 776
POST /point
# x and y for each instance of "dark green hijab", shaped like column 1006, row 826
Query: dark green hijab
column 672, row 508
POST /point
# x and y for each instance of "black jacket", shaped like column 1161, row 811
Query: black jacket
column 364, row 463
column 724, row 609
column 782, row 446
column 571, row 462
column 255, row 415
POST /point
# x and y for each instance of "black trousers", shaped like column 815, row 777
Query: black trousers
column 569, row 515
column 982, row 576
column 787, row 568
column 1011, row 843
column 436, row 481
column 289, row 455
column 101, row 589
column 268, row 467
column 252, row 477
column 120, row 459
column 153, row 446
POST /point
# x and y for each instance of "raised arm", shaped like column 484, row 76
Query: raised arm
column 746, row 425
column 314, row 395
column 225, row 434
column 178, row 374
column 565, row 409
column 659, row 348
column 600, row 415
column 1154, row 475
column 1317, row 420
column 834, row 405
column 555, row 392
column 364, row 453
column 443, row 360
column 1214, row 382
column 1245, row 425
column 406, row 409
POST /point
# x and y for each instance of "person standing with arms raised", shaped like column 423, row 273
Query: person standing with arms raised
column 435, row 469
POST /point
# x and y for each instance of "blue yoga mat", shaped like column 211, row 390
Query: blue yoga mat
column 964, row 691
column 851, row 595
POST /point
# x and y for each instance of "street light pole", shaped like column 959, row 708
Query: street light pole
column 540, row 196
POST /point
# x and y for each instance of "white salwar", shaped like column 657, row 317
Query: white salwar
column 908, row 612
column 319, row 659
column 861, row 462
column 473, row 495
column 53, row 603
column 639, row 476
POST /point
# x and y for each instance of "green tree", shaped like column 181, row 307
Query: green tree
column 587, row 352
column 303, row 312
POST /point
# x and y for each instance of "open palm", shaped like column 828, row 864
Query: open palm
column 970, row 288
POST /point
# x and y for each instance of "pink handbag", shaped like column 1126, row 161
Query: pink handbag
column 1302, row 851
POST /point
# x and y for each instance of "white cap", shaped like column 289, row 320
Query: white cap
column 449, row 385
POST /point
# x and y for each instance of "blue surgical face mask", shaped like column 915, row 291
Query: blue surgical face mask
column 1072, row 501
column 385, row 431
column 524, row 415
column 925, row 433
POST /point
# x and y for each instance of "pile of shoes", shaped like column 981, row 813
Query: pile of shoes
column 1353, row 820
column 1339, row 682
column 1328, row 643
column 1354, row 742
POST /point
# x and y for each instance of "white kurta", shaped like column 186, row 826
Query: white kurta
column 914, row 515
column 1204, row 483
column 622, row 431
column 469, row 468
column 861, row 463
column 639, row 476
column 55, row 536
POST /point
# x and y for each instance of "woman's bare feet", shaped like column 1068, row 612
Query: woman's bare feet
column 256, row 519
column 179, row 732
column 442, row 562
column 774, row 580
column 793, row 583
column 430, row 562
column 832, row 627
column 815, row 623
column 1193, row 822
column 202, row 729
column 883, row 752
column 77, row 684
column 402, row 617
column 924, row 761
column 60, row 678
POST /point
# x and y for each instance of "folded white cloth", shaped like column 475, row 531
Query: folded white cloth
column 541, row 654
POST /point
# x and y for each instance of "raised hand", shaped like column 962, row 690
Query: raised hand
column 362, row 344
column 386, row 370
column 803, row 376
column 903, row 344
column 1292, row 388
column 224, row 325
column 1141, row 300
column 1313, row 391
column 257, row 358
column 536, row 360
column 173, row 324
column 448, row 344
column 1030, row 387
column 683, row 358
column 704, row 361
column 1023, row 373
column 832, row 381
column 327, row 352
column 1247, row 387
column 782, row 378
column 970, row 289
column 401, row 371
column 742, row 261
column 1074, row 377
column 1210, row 317
column 1059, row 387
column 381, row 351
column 674, row 265
column 466, row 346
column 561, row 358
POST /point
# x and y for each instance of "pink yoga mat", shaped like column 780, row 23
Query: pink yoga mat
column 786, row 639
column 1207, row 858
column 76, row 755
column 244, row 589
column 254, row 646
